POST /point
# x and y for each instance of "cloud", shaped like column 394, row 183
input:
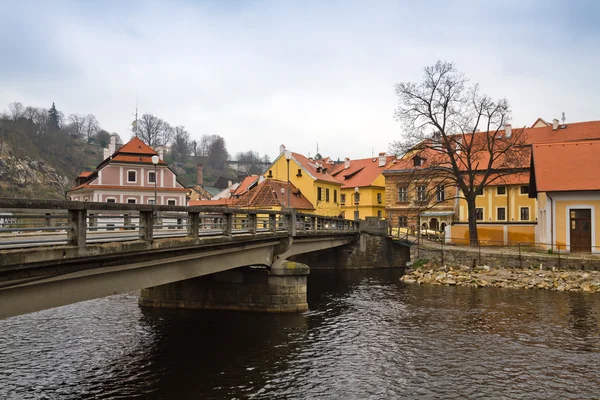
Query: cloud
column 265, row 73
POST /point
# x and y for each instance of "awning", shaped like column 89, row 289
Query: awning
column 436, row 213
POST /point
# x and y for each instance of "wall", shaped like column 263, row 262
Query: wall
column 492, row 234
column 490, row 201
column 561, row 205
column 369, row 251
column 470, row 257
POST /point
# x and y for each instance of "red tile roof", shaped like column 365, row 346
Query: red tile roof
column 136, row 146
column 218, row 202
column 310, row 166
column 243, row 187
column 84, row 174
column 571, row 132
column 361, row 172
column 268, row 194
column 568, row 166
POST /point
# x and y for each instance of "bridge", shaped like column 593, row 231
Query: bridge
column 54, row 253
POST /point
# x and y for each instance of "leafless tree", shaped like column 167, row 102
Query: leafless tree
column 194, row 146
column 459, row 132
column 91, row 126
column 17, row 110
column 76, row 126
column 154, row 131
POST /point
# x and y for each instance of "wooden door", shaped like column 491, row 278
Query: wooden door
column 581, row 230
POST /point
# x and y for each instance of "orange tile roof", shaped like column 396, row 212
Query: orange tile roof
column 361, row 172
column 268, row 194
column 310, row 166
column 575, row 131
column 568, row 166
column 84, row 174
column 243, row 187
column 136, row 146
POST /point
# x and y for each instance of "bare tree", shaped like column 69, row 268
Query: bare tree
column 91, row 126
column 17, row 110
column 76, row 126
column 180, row 148
column 30, row 113
column 194, row 146
column 459, row 132
column 154, row 131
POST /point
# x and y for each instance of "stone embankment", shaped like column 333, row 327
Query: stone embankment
column 485, row 276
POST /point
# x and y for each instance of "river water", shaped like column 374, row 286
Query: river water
column 367, row 335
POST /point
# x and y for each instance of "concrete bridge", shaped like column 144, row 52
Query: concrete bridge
column 54, row 253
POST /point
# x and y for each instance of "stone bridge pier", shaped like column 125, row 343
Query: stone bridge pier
column 282, row 289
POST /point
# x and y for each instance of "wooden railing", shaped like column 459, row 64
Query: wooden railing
column 32, row 223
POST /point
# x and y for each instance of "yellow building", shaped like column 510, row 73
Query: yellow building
column 363, row 192
column 568, row 193
column 311, row 177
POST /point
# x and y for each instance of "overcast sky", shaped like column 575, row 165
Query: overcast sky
column 263, row 73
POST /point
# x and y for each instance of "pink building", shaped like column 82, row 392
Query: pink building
column 128, row 176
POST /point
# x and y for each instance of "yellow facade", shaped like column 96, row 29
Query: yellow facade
column 561, row 234
column 327, row 205
column 495, row 235
column 513, row 201
column 371, row 200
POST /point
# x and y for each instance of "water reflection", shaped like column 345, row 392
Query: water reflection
column 367, row 336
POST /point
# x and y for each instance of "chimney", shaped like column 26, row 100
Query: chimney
column 161, row 151
column 199, row 174
column 229, row 183
column 382, row 160
column 106, row 154
column 554, row 124
column 282, row 149
column 112, row 145
column 346, row 163
column 508, row 130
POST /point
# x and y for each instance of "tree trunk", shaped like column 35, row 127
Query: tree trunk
column 473, row 238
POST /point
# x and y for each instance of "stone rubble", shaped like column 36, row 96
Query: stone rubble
column 486, row 276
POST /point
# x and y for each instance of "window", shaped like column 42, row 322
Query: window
column 111, row 200
column 379, row 214
column 403, row 221
column 151, row 201
column 151, row 177
column 335, row 196
column 171, row 202
column 501, row 190
column 479, row 191
column 319, row 194
column 501, row 214
column 378, row 198
column 299, row 172
column 524, row 189
column 131, row 176
column 479, row 214
column 357, row 197
column 130, row 201
column 421, row 195
column 327, row 194
column 402, row 194
column 417, row 161
column 440, row 194
column 524, row 212
column 342, row 198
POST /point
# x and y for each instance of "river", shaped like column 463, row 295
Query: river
column 367, row 335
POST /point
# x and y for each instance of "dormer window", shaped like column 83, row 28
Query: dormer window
column 270, row 175
column 299, row 172
column 417, row 161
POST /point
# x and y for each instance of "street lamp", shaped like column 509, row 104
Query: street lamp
column 288, row 157
column 356, row 202
column 282, row 202
column 155, row 160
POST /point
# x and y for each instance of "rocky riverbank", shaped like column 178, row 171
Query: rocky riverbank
column 485, row 276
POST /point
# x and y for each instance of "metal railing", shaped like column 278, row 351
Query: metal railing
column 33, row 223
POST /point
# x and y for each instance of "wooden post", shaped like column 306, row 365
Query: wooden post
column 193, row 228
column 146, row 225
column 77, row 233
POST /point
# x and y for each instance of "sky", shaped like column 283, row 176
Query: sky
column 299, row 73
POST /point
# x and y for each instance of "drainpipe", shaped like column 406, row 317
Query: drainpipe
column 551, row 221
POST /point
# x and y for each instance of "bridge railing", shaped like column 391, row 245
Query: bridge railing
column 34, row 223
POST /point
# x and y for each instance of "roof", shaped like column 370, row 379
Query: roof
column 361, row 172
column 572, row 132
column 568, row 166
column 84, row 174
column 310, row 166
column 541, row 122
column 245, row 184
column 268, row 194
column 218, row 202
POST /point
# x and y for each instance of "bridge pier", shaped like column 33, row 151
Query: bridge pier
column 283, row 289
